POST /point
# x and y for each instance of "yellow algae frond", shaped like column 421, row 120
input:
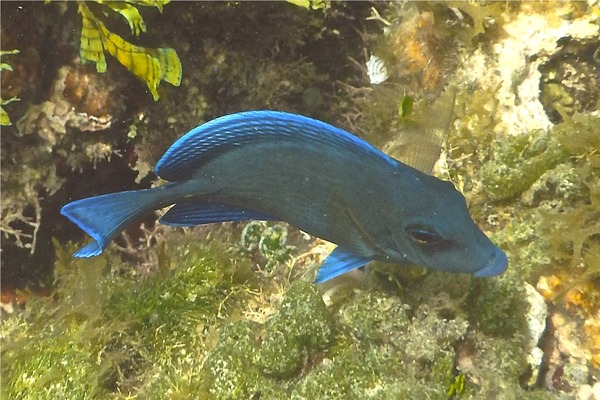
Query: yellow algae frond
column 150, row 3
column 150, row 65
column 310, row 4
column 128, row 10
column 4, row 119
column 130, row 13
column 170, row 66
column 91, row 48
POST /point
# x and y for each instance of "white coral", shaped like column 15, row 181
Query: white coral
column 376, row 70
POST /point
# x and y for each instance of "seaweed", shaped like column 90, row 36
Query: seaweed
column 150, row 65
column 311, row 4
column 572, row 230
column 4, row 119
column 252, row 359
column 519, row 162
column 106, row 329
column 185, row 331
column 269, row 239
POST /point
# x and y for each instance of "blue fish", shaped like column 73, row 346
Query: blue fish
column 268, row 165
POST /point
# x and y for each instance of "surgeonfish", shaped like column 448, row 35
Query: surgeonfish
column 269, row 165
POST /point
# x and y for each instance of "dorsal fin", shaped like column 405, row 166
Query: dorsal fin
column 202, row 143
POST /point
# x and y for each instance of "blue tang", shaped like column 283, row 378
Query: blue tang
column 268, row 165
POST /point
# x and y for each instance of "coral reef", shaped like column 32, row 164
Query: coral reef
column 180, row 333
column 226, row 311
column 86, row 109
column 544, row 178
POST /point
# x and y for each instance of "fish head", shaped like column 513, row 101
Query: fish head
column 435, row 230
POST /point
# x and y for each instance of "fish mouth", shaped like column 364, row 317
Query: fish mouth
column 496, row 265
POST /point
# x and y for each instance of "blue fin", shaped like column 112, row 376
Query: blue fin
column 103, row 217
column 208, row 140
column 190, row 213
column 337, row 263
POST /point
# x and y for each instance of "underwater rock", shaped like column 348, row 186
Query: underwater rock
column 588, row 392
column 51, row 118
column 513, row 68
column 568, row 358
column 536, row 321
column 571, row 79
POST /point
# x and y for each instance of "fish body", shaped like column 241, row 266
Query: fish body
column 271, row 165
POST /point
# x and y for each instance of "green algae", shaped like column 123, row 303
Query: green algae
column 251, row 359
column 364, row 324
column 4, row 118
column 384, row 351
column 108, row 333
column 498, row 307
column 519, row 162
column 563, row 199
column 229, row 369
column 269, row 239
column 178, row 333
column 300, row 329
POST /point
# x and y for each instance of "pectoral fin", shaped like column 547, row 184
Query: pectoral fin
column 337, row 263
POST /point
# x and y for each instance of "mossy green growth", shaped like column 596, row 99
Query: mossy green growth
column 561, row 207
column 526, row 247
column 519, row 161
column 301, row 328
column 53, row 350
column 191, row 289
column 365, row 372
column 373, row 316
column 495, row 367
column 270, row 239
column 386, row 350
column 498, row 307
column 229, row 371
column 109, row 334
column 251, row 359
column 572, row 227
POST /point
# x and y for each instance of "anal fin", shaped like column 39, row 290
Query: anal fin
column 194, row 212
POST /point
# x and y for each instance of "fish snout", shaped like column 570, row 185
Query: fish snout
column 496, row 265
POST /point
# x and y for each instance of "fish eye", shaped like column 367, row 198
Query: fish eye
column 423, row 235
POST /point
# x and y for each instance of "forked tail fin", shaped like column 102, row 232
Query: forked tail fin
column 103, row 217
